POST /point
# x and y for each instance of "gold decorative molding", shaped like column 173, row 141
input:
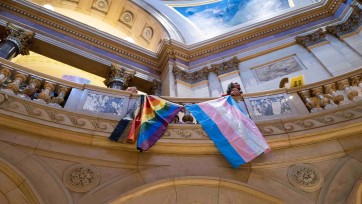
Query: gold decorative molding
column 191, row 54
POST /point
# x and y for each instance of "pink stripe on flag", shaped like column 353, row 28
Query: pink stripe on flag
column 257, row 137
column 228, row 132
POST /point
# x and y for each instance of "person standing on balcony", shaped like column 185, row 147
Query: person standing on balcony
column 233, row 89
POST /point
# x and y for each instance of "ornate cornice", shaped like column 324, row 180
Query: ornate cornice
column 89, row 35
column 351, row 25
column 230, row 40
column 201, row 75
column 311, row 39
column 225, row 67
column 182, row 52
column 191, row 78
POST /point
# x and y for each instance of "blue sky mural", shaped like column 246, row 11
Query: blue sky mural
column 223, row 14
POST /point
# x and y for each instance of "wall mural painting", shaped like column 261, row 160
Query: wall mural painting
column 277, row 69
column 213, row 16
column 103, row 104
column 270, row 106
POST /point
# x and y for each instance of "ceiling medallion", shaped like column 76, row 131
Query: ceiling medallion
column 127, row 18
column 305, row 177
column 147, row 33
column 81, row 178
column 102, row 5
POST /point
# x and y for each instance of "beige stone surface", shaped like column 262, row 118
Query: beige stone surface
column 197, row 194
column 277, row 189
column 161, row 196
column 310, row 153
column 6, row 184
column 339, row 185
column 162, row 166
column 3, row 199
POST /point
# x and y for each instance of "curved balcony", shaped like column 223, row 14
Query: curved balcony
column 65, row 123
column 316, row 112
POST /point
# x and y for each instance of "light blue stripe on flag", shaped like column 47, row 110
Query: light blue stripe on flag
column 215, row 134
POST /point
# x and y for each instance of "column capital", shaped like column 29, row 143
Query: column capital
column 312, row 39
column 225, row 67
column 156, row 88
column 351, row 25
column 20, row 36
column 118, row 76
column 191, row 78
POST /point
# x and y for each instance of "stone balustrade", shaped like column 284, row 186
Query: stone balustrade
column 96, row 111
column 25, row 83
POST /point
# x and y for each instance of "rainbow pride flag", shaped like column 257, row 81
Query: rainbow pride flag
column 156, row 114
column 234, row 134
column 126, row 129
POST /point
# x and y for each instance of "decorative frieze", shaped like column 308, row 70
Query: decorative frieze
column 312, row 39
column 20, row 36
column 351, row 25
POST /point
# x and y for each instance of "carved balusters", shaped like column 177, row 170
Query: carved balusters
column 187, row 118
column 32, row 88
column 62, row 92
column 305, row 95
column 44, row 96
column 344, row 85
column 323, row 101
column 14, row 86
column 331, row 90
column 5, row 73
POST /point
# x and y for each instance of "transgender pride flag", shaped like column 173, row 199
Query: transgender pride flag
column 234, row 134
column 156, row 114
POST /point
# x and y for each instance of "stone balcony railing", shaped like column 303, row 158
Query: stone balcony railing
column 286, row 117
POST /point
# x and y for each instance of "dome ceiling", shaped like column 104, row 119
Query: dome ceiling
column 147, row 22
column 120, row 18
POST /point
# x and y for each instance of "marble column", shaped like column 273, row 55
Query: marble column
column 329, row 57
column 17, row 41
column 118, row 77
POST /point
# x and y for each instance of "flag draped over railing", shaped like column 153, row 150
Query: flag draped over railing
column 147, row 120
column 126, row 129
column 234, row 134
column 156, row 114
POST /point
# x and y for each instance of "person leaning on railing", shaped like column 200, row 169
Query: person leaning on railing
column 233, row 89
